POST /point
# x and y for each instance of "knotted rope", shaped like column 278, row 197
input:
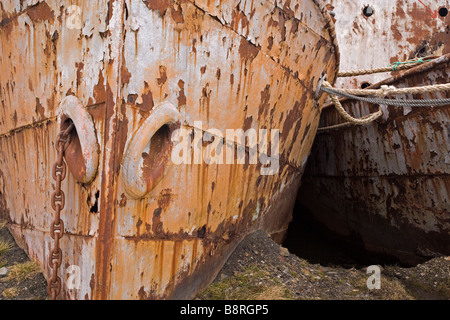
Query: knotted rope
column 391, row 90
column 350, row 120
column 383, row 91
column 396, row 66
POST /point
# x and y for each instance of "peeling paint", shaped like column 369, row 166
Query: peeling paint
column 397, row 31
column 387, row 182
column 215, row 65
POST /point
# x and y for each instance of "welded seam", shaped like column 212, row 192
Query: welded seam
column 41, row 123
column 47, row 232
column 36, row 124
column 247, row 148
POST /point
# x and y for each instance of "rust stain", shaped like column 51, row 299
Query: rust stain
column 106, row 221
column 270, row 43
column 99, row 89
column 162, row 75
column 181, row 95
column 125, row 74
column 40, row 110
column 211, row 62
column 177, row 14
column 247, row 50
column 4, row 211
column 264, row 105
column 247, row 123
column 147, row 100
column 79, row 66
column 218, row 74
column 132, row 98
column 123, row 203
column 239, row 21
column 41, row 12
column 401, row 187
column 158, row 5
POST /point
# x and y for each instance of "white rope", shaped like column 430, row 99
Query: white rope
column 383, row 91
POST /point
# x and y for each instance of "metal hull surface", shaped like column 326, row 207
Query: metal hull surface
column 386, row 185
column 226, row 65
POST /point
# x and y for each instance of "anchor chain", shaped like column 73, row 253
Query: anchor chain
column 57, row 202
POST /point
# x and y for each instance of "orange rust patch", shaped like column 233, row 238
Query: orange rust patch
column 41, row 12
column 181, row 96
column 92, row 283
column 218, row 74
column 264, row 106
column 287, row 9
column 125, row 74
column 123, row 200
column 99, row 89
column 40, row 109
column 177, row 14
column 164, row 198
column 79, row 66
column 248, row 123
column 4, row 211
column 158, row 5
column 147, row 100
column 269, row 43
column 247, row 50
column 239, row 18
column 162, row 75
column 122, row 129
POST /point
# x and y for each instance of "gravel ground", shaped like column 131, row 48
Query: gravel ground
column 24, row 280
column 261, row 269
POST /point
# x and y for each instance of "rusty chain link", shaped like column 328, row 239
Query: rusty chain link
column 58, row 203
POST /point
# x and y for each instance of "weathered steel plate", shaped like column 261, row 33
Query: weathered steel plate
column 387, row 185
column 222, row 65
column 393, row 174
column 390, row 31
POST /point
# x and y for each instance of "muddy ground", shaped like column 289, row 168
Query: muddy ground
column 261, row 269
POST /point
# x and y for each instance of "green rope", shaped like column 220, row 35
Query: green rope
column 396, row 64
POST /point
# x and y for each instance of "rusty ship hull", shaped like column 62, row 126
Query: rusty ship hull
column 128, row 74
column 386, row 186
column 373, row 35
